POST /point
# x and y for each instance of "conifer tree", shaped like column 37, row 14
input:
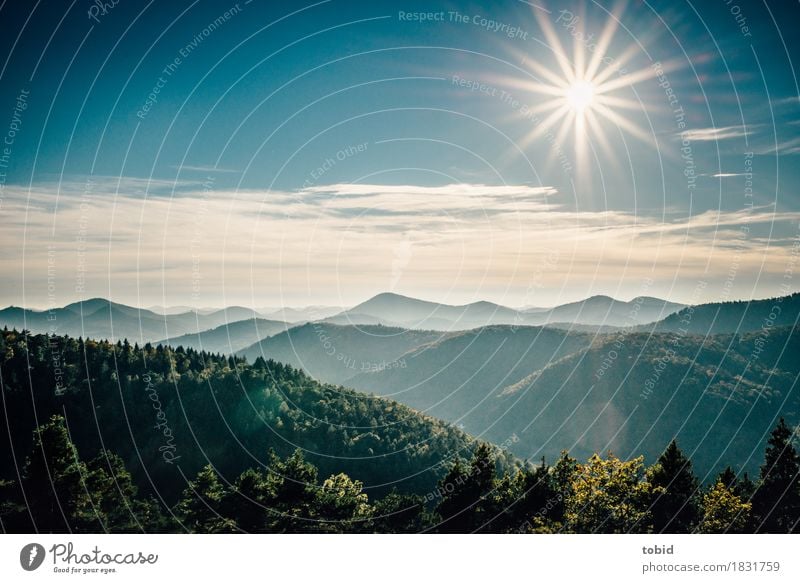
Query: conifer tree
column 777, row 500
column 53, row 481
column 465, row 490
column 200, row 507
column 675, row 492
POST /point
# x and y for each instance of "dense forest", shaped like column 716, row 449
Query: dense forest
column 167, row 413
column 62, row 493
column 149, row 439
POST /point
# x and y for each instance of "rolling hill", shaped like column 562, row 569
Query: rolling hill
column 168, row 413
column 229, row 338
column 719, row 397
column 333, row 353
column 732, row 317
column 603, row 310
column 628, row 392
column 455, row 375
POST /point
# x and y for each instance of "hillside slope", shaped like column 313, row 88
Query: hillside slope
column 718, row 396
column 732, row 317
column 229, row 338
column 460, row 372
column 334, row 353
column 168, row 413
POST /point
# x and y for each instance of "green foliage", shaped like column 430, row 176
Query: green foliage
column 184, row 408
column 401, row 513
column 277, row 490
column 724, row 511
column 608, row 495
column 54, row 482
column 341, row 500
column 201, row 506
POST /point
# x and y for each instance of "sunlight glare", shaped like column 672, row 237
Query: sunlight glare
column 580, row 96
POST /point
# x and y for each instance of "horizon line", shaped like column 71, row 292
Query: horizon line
column 272, row 309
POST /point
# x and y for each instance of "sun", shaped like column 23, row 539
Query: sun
column 587, row 92
column 580, row 95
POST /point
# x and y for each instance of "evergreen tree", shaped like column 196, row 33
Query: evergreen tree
column 530, row 499
column 728, row 478
column 114, row 497
column 200, row 508
column 11, row 506
column 249, row 502
column 675, row 492
column 465, row 491
column 53, row 481
column 777, row 500
column 400, row 513
column 562, row 476
column 743, row 487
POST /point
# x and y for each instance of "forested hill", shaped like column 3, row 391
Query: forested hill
column 168, row 413
column 198, row 432
column 732, row 317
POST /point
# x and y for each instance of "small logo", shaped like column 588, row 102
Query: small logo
column 31, row 556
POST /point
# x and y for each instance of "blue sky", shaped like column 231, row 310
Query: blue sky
column 221, row 143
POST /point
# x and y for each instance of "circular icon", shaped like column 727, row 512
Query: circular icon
column 31, row 556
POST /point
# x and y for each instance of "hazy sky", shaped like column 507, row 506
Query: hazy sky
column 263, row 153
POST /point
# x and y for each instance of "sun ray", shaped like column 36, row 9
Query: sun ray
column 627, row 80
column 583, row 95
column 603, row 43
column 598, row 133
column 624, row 123
column 558, row 141
column 619, row 65
column 545, row 125
column 555, row 46
column 543, row 71
column 579, row 54
column 614, row 101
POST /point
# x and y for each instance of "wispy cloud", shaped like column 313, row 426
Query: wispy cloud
column 782, row 101
column 782, row 147
column 715, row 134
column 322, row 243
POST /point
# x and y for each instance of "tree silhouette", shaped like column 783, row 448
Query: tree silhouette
column 777, row 499
column 675, row 492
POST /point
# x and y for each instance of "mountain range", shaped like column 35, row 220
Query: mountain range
column 588, row 376
column 396, row 310
column 100, row 318
column 631, row 390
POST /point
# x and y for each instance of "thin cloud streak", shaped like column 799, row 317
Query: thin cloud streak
column 715, row 134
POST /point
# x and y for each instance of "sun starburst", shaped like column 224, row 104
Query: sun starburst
column 587, row 91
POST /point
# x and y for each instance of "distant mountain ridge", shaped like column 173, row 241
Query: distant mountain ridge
column 398, row 310
column 103, row 319
column 99, row 318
